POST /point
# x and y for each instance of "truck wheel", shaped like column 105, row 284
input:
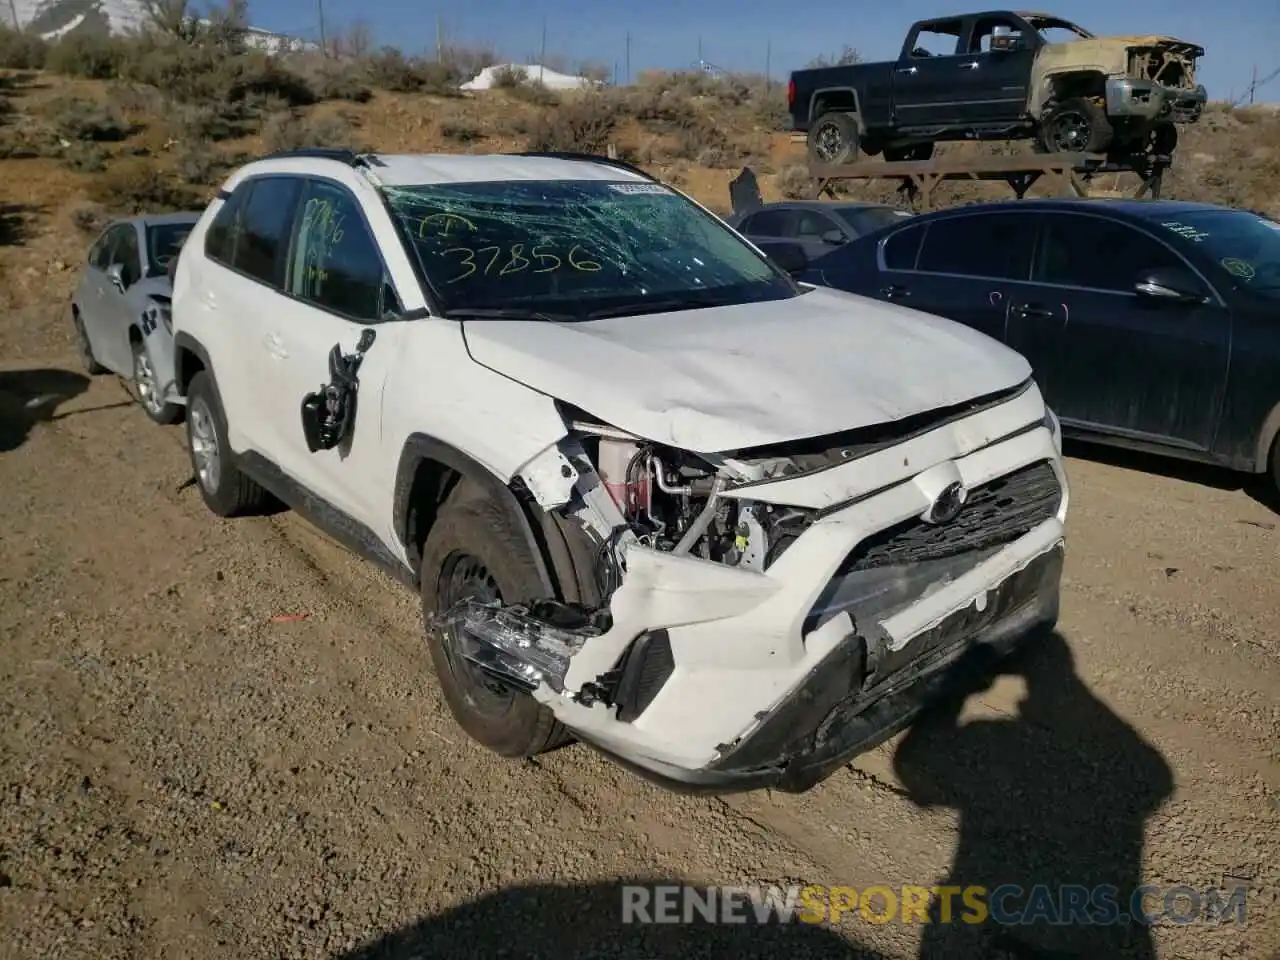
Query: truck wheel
column 225, row 490
column 911, row 152
column 833, row 138
column 1076, row 125
column 475, row 552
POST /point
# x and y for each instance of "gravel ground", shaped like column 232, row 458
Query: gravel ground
column 183, row 774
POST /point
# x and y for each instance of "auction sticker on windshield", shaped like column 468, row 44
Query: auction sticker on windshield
column 634, row 188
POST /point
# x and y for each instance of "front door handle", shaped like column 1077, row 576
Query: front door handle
column 971, row 65
column 907, row 70
column 894, row 292
column 1031, row 311
column 275, row 346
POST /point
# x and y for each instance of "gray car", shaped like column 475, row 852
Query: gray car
column 816, row 225
column 121, row 307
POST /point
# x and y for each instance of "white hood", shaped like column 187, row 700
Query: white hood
column 725, row 378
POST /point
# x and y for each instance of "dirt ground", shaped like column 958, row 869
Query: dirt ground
column 184, row 776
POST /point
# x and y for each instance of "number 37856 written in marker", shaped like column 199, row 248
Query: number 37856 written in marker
column 498, row 261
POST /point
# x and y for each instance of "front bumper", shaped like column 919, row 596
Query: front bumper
column 821, row 726
column 860, row 610
column 1133, row 99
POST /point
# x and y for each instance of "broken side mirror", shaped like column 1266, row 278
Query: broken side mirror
column 328, row 415
column 1168, row 284
column 788, row 256
column 115, row 273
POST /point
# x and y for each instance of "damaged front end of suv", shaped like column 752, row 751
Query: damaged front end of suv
column 767, row 613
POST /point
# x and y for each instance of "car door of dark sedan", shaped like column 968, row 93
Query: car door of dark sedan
column 1120, row 363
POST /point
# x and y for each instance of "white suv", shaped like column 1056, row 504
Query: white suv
column 656, row 495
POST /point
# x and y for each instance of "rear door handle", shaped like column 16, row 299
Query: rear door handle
column 971, row 65
column 906, row 70
column 1028, row 310
column 894, row 292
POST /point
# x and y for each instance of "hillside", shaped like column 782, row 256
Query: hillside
column 95, row 127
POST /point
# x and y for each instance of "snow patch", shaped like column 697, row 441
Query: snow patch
column 486, row 79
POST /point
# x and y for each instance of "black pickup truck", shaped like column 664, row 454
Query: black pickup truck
column 1002, row 76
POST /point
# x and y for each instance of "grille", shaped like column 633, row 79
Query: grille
column 998, row 512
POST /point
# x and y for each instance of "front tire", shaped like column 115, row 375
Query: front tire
column 83, row 347
column 1076, row 125
column 146, row 390
column 833, row 138
column 474, row 551
column 225, row 489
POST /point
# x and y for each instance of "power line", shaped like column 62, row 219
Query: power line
column 1248, row 95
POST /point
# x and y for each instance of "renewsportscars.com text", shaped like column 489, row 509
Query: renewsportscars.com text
column 1008, row 905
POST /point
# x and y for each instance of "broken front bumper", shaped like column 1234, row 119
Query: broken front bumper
column 1146, row 100
column 720, row 678
column 822, row 725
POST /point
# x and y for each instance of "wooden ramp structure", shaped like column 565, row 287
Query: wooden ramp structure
column 1066, row 174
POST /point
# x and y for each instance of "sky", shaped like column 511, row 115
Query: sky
column 1238, row 35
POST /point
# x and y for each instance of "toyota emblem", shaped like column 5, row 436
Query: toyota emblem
column 948, row 504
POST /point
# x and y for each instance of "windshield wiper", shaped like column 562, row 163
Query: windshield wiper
column 513, row 313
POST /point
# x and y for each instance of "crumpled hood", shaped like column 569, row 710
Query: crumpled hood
column 725, row 378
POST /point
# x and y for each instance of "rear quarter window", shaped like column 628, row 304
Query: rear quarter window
column 901, row 248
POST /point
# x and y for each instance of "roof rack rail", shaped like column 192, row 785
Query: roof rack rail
column 589, row 158
column 341, row 154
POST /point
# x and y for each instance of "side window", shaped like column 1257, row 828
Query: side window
column 219, row 239
column 938, row 39
column 125, row 252
column 1085, row 251
column 263, row 244
column 811, row 225
column 773, row 223
column 336, row 264
column 902, row 248
column 987, row 245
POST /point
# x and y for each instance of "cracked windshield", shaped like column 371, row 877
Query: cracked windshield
column 577, row 250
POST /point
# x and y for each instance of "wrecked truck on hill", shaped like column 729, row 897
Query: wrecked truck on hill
column 654, row 494
column 1002, row 75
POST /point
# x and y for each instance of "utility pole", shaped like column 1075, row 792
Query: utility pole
column 628, row 60
column 439, row 41
column 768, row 56
column 542, row 57
column 324, row 47
column 1254, row 85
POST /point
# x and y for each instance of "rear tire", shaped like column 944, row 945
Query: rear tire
column 475, row 551
column 146, row 390
column 833, row 138
column 225, row 489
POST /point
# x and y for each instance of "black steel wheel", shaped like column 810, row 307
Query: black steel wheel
column 1077, row 125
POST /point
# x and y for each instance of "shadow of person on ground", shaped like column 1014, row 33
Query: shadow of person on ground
column 585, row 922
column 1058, row 795
column 28, row 397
